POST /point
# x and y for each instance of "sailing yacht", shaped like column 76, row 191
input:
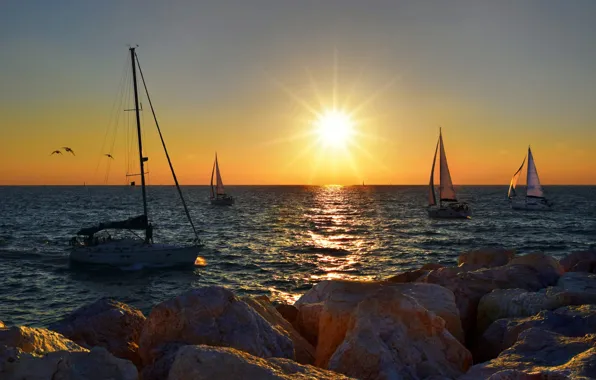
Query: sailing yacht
column 535, row 199
column 449, row 207
column 218, row 193
column 89, row 248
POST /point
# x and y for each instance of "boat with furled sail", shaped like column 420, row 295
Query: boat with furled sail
column 448, row 206
column 89, row 248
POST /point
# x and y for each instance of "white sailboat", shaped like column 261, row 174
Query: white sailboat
column 535, row 199
column 89, row 248
column 448, row 207
column 218, row 193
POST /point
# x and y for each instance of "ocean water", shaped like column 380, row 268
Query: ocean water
column 276, row 240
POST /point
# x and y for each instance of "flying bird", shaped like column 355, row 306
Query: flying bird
column 67, row 149
column 109, row 155
column 56, row 152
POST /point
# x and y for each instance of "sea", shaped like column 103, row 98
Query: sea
column 276, row 240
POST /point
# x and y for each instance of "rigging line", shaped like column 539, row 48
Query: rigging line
column 166, row 150
column 123, row 77
column 115, row 131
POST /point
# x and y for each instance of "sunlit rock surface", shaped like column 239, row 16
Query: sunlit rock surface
column 572, row 259
column 391, row 335
column 97, row 364
column 307, row 321
column 36, row 341
column 510, row 303
column 304, row 351
column 486, row 257
column 212, row 363
column 216, row 317
column 574, row 321
column 542, row 351
column 105, row 323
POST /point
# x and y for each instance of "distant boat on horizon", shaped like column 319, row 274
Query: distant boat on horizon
column 448, row 207
column 535, row 199
column 218, row 193
column 126, row 251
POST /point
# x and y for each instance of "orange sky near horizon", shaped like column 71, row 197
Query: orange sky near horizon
column 247, row 80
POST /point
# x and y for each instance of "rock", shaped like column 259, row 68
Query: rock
column 307, row 321
column 543, row 351
column 510, row 303
column 339, row 298
column 213, row 363
column 97, row 364
column 36, row 341
column 106, row 323
column 289, row 312
column 572, row 259
column 487, row 257
column 578, row 282
column 214, row 316
column 548, row 268
column 470, row 287
column 569, row 321
column 410, row 276
column 304, row 351
column 391, row 335
column 588, row 266
column 432, row 266
column 512, row 374
column 2, row 325
column 162, row 362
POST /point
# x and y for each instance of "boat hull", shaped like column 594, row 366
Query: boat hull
column 449, row 213
column 222, row 201
column 131, row 254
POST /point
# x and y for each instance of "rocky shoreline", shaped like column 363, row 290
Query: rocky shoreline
column 496, row 315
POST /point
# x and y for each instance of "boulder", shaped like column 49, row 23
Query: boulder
column 513, row 374
column 410, row 276
column 548, row 268
column 470, row 287
column 588, row 266
column 510, row 303
column 307, row 321
column 569, row 321
column 304, row 351
column 2, row 324
column 214, row 316
column 36, row 341
column 578, row 282
column 486, row 257
column 97, row 364
column 432, row 266
column 106, row 323
column 572, row 259
column 213, row 363
column 542, row 351
column 289, row 312
column 391, row 335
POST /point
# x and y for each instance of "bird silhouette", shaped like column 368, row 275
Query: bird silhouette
column 109, row 155
column 67, row 149
column 56, row 152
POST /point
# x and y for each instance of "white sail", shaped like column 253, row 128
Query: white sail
column 219, row 185
column 212, row 173
column 432, row 199
column 533, row 182
column 511, row 193
column 446, row 190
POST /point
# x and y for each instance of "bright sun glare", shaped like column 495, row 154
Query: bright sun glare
column 334, row 127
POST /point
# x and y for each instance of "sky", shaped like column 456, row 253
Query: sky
column 250, row 79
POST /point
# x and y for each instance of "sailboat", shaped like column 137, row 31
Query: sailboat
column 218, row 193
column 94, row 245
column 448, row 207
column 535, row 199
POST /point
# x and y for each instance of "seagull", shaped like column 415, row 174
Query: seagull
column 56, row 152
column 109, row 155
column 67, row 149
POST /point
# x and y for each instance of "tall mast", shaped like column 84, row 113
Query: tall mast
column 141, row 158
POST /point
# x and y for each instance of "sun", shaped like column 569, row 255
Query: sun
column 334, row 128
